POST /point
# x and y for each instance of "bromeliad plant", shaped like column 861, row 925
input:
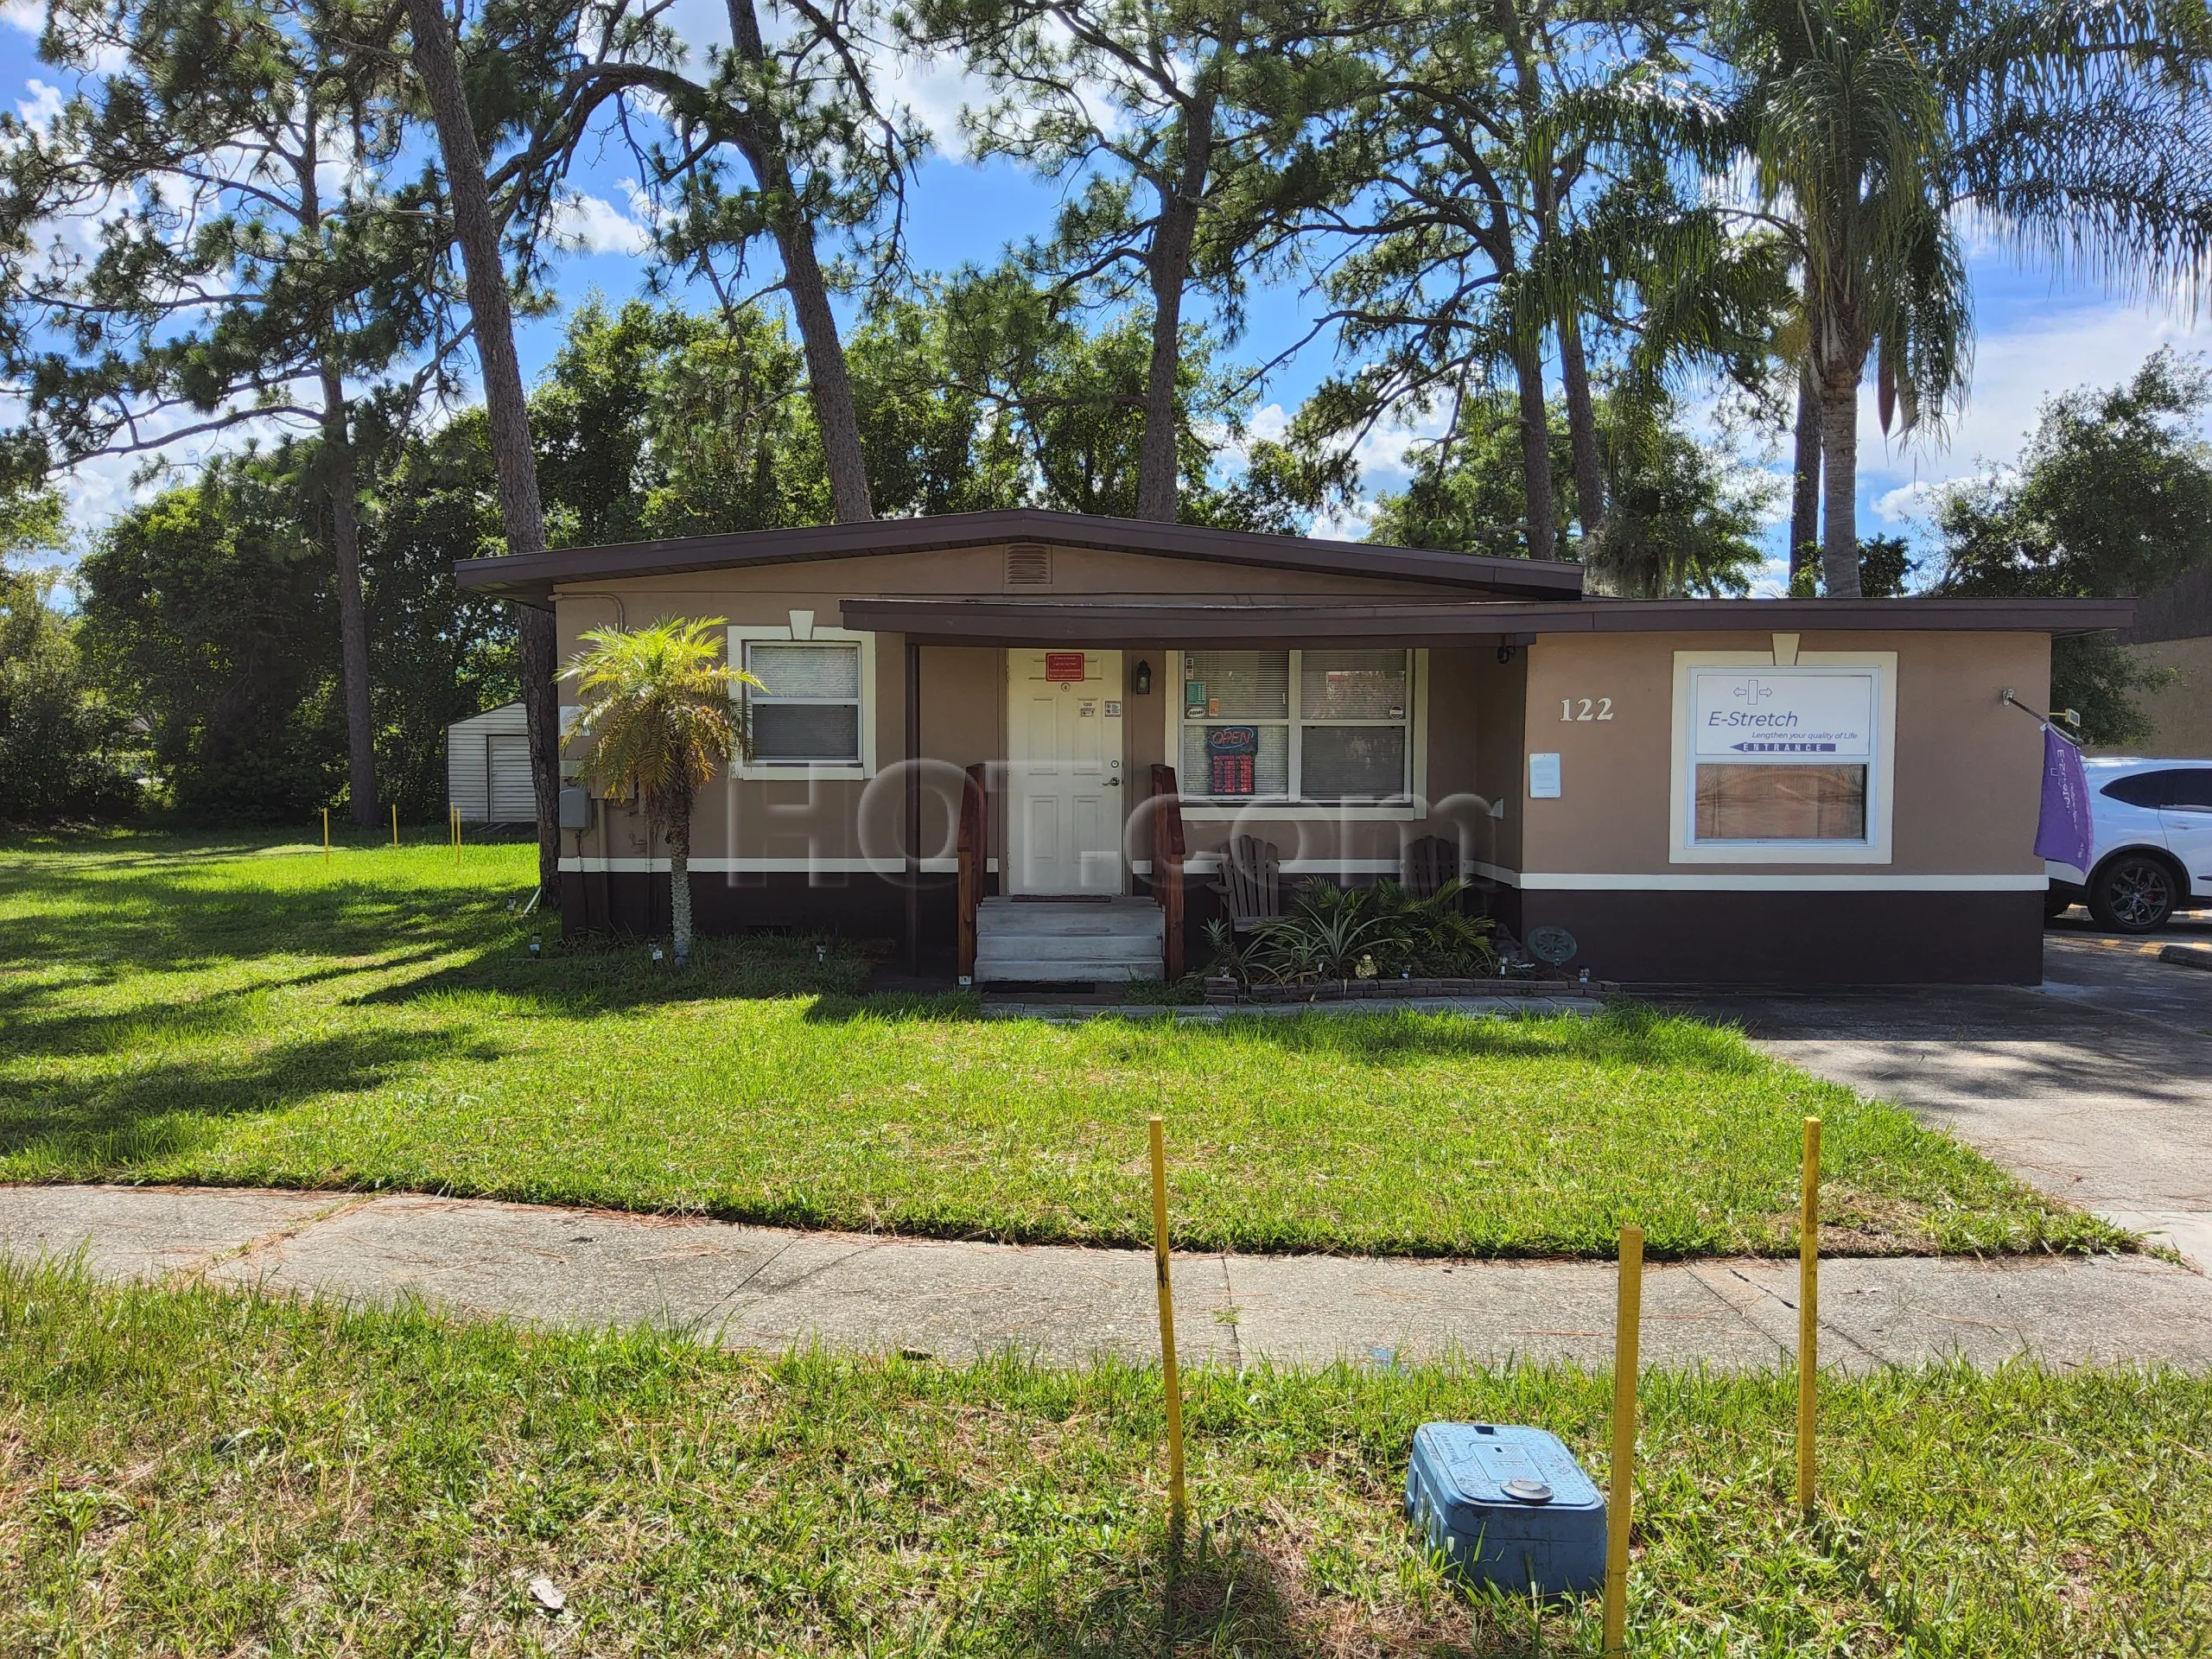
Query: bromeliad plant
column 1382, row 932
column 661, row 715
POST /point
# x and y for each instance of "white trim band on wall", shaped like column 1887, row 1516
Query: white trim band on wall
column 1530, row 882
column 592, row 865
column 1202, row 864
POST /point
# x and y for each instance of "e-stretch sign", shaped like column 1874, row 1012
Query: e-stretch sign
column 1783, row 713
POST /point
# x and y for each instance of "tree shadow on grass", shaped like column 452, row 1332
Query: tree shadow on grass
column 1248, row 1590
column 1625, row 1034
column 149, row 922
column 619, row 977
column 164, row 1108
column 211, row 1013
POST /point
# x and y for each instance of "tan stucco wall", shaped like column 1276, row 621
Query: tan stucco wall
column 2181, row 713
column 1967, row 770
column 963, row 702
column 963, row 721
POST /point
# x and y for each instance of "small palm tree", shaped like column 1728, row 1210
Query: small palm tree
column 661, row 718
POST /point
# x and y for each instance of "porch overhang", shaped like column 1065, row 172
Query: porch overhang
column 1135, row 623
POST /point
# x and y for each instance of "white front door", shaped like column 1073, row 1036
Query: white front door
column 1063, row 772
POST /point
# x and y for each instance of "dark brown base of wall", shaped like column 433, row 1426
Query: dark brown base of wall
column 1787, row 939
column 855, row 907
column 1777, row 939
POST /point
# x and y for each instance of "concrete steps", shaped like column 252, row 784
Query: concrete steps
column 1068, row 942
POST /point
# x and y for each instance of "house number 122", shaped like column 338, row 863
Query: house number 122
column 1586, row 708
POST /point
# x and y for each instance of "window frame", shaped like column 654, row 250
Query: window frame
column 1405, row 807
column 1684, row 847
column 811, row 771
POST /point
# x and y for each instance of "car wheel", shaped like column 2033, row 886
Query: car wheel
column 2134, row 894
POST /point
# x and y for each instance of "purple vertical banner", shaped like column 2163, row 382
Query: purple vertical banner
column 2063, row 833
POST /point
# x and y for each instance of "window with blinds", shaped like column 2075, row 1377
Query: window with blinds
column 807, row 708
column 1325, row 726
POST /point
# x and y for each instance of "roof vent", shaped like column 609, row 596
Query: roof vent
column 1028, row 565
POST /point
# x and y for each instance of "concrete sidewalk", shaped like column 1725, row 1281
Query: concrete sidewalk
column 766, row 1288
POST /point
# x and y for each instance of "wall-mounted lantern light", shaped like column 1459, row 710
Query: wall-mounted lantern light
column 1140, row 682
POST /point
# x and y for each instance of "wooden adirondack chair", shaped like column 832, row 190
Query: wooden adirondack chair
column 1251, row 872
column 1428, row 864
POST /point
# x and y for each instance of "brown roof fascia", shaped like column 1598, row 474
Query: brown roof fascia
column 1046, row 622
column 531, row 577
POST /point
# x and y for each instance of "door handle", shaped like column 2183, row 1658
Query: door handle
column 1113, row 783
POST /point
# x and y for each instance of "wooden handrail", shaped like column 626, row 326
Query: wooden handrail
column 1167, row 864
column 974, row 862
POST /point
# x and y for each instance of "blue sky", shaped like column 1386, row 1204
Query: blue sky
column 2035, row 334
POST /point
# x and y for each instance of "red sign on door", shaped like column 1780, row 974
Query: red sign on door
column 1064, row 665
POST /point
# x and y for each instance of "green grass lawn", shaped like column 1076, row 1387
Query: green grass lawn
column 246, row 1013
column 205, row 1473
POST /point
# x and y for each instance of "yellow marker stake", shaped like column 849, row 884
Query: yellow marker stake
column 1167, row 1377
column 326, row 835
column 1620, row 1494
column 395, row 827
column 1809, row 1315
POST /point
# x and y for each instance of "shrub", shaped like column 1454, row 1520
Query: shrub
column 1382, row 932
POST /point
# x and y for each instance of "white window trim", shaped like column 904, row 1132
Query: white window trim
column 814, row 770
column 1881, row 771
column 1200, row 808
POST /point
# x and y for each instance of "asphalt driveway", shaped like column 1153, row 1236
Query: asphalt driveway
column 2096, row 1086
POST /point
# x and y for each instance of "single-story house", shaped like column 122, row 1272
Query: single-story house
column 487, row 767
column 1772, row 792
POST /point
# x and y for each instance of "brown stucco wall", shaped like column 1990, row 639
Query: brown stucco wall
column 1968, row 768
column 2180, row 711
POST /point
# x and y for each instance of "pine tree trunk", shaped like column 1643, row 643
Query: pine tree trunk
column 1536, row 455
column 1167, row 265
column 1159, row 471
column 1839, row 504
column 352, row 611
column 830, row 387
column 1805, row 479
column 522, row 510
column 1582, row 432
column 679, row 881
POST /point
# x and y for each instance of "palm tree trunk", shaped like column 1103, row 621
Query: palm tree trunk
column 352, row 611
column 1536, row 455
column 1582, row 432
column 1839, row 504
column 522, row 510
column 1805, row 477
column 679, row 881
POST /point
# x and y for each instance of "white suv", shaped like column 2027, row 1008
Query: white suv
column 2152, row 853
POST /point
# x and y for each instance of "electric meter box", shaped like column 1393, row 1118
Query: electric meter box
column 1508, row 1506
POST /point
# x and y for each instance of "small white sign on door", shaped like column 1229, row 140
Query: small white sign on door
column 1543, row 777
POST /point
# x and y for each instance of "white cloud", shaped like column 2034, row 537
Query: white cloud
column 2014, row 370
column 28, row 15
column 42, row 108
column 936, row 90
column 1908, row 503
column 594, row 225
